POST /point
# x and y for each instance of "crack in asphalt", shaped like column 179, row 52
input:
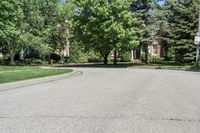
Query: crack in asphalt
column 177, row 119
column 72, row 117
column 101, row 117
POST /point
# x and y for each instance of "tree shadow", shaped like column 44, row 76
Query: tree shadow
column 164, row 66
column 193, row 69
column 100, row 65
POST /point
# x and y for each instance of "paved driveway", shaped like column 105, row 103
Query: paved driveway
column 106, row 101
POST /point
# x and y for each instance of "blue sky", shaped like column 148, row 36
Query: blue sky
column 61, row 1
column 160, row 2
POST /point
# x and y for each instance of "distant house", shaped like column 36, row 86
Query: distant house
column 154, row 50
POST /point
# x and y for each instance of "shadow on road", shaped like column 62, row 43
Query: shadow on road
column 167, row 66
column 99, row 65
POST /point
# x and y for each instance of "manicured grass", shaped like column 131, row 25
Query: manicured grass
column 16, row 73
column 162, row 65
column 138, row 65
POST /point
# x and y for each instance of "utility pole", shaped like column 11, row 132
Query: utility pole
column 197, row 42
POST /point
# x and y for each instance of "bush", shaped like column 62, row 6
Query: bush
column 79, row 55
column 4, row 61
column 34, row 61
column 118, row 60
column 155, row 59
column 55, row 57
column 32, row 54
column 170, row 54
column 17, row 57
column 94, row 59
column 142, row 57
column 126, row 56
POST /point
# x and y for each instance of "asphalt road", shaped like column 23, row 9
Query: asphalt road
column 106, row 101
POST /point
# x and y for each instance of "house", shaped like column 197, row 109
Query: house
column 154, row 50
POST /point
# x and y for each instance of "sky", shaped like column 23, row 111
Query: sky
column 160, row 2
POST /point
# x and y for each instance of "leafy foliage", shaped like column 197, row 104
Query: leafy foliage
column 182, row 18
column 105, row 25
column 10, row 22
column 94, row 28
column 145, row 15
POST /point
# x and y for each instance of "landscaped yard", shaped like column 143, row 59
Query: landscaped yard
column 16, row 73
column 138, row 65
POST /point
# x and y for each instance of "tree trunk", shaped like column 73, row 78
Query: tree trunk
column 21, row 54
column 115, row 58
column 146, row 55
column 166, row 56
column 105, row 57
column 12, row 55
column 105, row 60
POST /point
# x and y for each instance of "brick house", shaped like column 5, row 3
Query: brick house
column 156, row 50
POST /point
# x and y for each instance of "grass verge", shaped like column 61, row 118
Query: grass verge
column 136, row 65
column 17, row 73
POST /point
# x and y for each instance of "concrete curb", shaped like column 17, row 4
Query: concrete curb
column 31, row 82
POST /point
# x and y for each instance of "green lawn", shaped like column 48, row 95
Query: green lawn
column 16, row 73
column 138, row 65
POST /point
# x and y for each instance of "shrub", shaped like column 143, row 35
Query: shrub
column 17, row 57
column 34, row 61
column 32, row 54
column 170, row 54
column 55, row 57
column 142, row 57
column 126, row 56
column 4, row 61
column 94, row 59
column 78, row 54
column 155, row 59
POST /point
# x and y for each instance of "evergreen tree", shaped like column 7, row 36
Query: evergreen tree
column 145, row 15
column 161, row 28
column 183, row 23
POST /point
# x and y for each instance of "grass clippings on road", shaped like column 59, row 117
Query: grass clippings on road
column 17, row 73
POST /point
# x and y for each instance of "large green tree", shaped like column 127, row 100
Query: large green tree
column 145, row 15
column 41, row 26
column 183, row 23
column 10, row 24
column 39, row 18
column 61, row 33
column 105, row 26
column 163, row 29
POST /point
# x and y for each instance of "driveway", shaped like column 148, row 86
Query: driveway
column 105, row 101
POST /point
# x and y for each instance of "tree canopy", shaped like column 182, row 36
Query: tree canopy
column 101, row 26
column 182, row 17
column 105, row 26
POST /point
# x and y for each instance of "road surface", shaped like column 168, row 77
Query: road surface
column 106, row 101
